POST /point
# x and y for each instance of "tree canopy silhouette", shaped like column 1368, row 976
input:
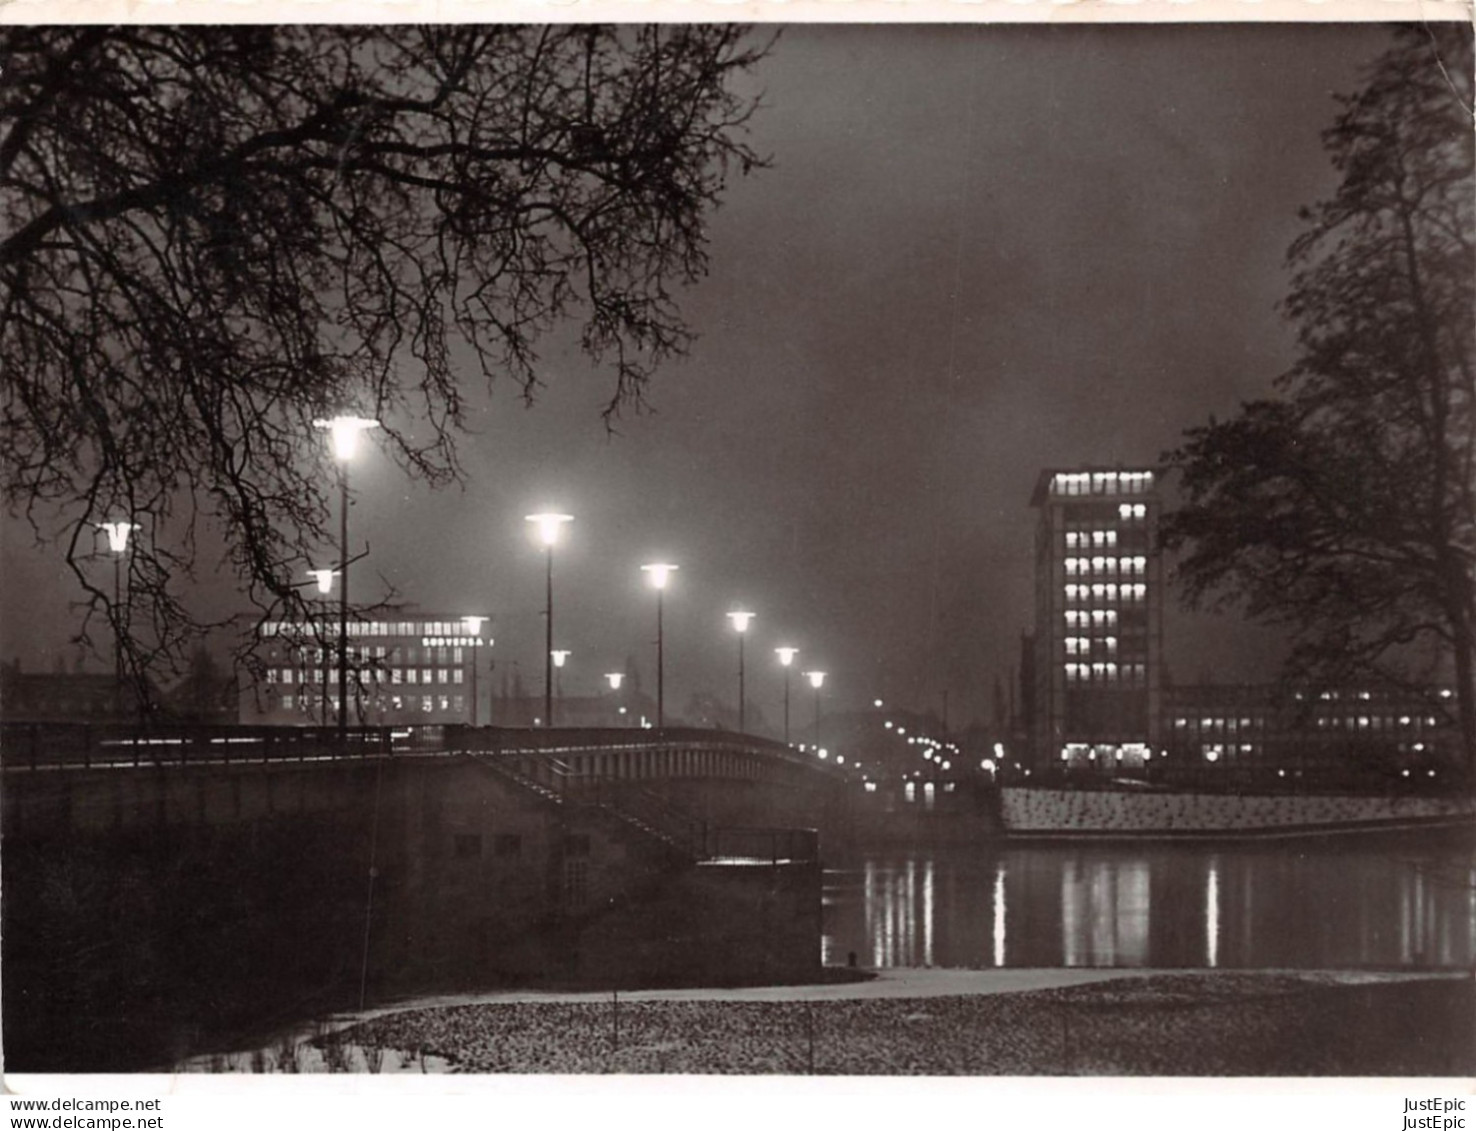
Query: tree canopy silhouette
column 1345, row 507
column 213, row 236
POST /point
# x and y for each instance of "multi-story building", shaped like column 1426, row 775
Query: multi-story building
column 1096, row 655
column 1346, row 734
column 416, row 668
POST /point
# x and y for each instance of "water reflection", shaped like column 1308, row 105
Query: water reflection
column 1212, row 913
column 1404, row 903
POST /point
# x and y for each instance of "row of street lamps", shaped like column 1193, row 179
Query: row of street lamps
column 547, row 526
column 344, row 432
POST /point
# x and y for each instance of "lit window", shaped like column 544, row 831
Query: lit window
column 444, row 674
column 412, row 675
column 395, row 675
column 426, row 675
column 426, row 702
column 271, row 675
column 458, row 676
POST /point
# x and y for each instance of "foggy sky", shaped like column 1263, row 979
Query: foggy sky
column 980, row 251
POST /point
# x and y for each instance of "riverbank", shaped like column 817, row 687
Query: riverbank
column 933, row 1022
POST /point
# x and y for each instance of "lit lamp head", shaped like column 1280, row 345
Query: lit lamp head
column 615, row 679
column 324, row 578
column 660, row 573
column 817, row 679
column 560, row 655
column 740, row 621
column 546, row 526
column 787, row 655
column 118, row 535
column 474, row 624
column 345, row 432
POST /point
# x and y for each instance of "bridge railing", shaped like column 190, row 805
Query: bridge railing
column 37, row 745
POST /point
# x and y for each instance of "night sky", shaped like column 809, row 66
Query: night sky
column 980, row 251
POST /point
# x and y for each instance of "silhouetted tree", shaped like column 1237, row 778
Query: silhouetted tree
column 210, row 236
column 206, row 694
column 1345, row 508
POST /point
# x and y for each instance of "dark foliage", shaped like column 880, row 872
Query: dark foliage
column 213, row 236
column 1345, row 508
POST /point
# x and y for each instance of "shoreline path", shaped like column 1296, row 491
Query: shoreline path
column 926, row 1022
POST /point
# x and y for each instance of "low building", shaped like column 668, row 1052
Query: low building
column 1333, row 734
column 64, row 697
column 416, row 668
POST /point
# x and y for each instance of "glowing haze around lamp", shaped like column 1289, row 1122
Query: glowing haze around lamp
column 344, row 431
column 473, row 625
column 786, row 659
column 659, row 574
column 546, row 527
column 117, row 533
column 817, row 680
column 741, row 621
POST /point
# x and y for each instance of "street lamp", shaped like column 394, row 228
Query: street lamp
column 786, row 658
column 324, row 578
column 547, row 526
column 118, row 543
column 740, row 622
column 473, row 626
column 559, row 656
column 660, row 573
column 344, row 431
column 817, row 680
column 616, row 679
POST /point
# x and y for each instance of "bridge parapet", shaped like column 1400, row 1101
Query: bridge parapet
column 551, row 756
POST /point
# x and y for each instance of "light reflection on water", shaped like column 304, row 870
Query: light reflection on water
column 1373, row 902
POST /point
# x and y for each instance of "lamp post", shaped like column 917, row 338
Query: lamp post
column 547, row 526
column 817, row 680
column 473, row 626
column 324, row 578
column 560, row 657
column 616, row 678
column 786, row 658
column 741, row 622
column 345, row 432
column 660, row 573
column 118, row 543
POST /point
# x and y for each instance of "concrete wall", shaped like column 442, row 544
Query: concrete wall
column 148, row 911
column 1100, row 811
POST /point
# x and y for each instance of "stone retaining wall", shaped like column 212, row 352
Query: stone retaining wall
column 1102, row 811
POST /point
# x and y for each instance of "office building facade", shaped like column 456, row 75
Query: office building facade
column 1096, row 657
column 413, row 669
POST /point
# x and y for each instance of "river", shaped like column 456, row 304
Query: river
column 1377, row 902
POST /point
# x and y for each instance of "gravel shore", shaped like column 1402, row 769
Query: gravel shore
column 1192, row 1024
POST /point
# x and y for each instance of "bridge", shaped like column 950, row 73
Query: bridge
column 261, row 866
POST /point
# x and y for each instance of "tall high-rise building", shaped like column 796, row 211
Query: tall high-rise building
column 1098, row 645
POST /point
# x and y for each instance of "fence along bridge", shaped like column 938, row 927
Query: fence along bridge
column 652, row 779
